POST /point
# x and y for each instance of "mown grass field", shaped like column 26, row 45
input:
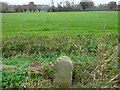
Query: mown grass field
column 94, row 52
column 52, row 22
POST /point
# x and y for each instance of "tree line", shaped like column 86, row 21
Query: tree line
column 84, row 5
column 66, row 6
column 19, row 8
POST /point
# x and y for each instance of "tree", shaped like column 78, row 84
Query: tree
column 34, row 8
column 67, row 6
column 112, row 5
column 16, row 9
column 52, row 6
column 85, row 4
column 79, row 8
column 119, row 6
column 73, row 5
column 39, row 9
column 20, row 8
column 59, row 8
column 4, row 6
column 101, row 7
column 25, row 8
column 31, row 6
column 48, row 10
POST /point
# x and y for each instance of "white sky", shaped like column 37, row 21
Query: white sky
column 48, row 2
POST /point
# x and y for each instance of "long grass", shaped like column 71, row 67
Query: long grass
column 94, row 57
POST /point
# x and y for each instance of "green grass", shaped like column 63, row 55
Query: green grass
column 52, row 22
column 87, row 51
column 18, row 60
column 92, row 50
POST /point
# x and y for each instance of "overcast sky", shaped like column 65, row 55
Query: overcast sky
column 20, row 2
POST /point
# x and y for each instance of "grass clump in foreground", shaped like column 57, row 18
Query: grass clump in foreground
column 94, row 58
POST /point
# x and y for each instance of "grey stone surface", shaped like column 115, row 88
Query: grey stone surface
column 63, row 71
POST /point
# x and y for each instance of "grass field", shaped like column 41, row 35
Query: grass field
column 75, row 22
column 94, row 52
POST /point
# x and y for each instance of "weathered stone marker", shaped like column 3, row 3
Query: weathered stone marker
column 63, row 71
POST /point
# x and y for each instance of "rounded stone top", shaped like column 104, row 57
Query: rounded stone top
column 65, row 59
column 63, row 71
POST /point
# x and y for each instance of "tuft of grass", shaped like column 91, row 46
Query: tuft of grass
column 13, row 78
column 18, row 60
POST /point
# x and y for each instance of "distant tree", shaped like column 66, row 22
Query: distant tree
column 59, row 8
column 52, row 6
column 30, row 10
column 119, row 6
column 112, row 5
column 48, row 10
column 68, row 4
column 39, row 9
column 16, row 9
column 73, row 5
column 34, row 10
column 79, row 7
column 4, row 6
column 25, row 8
column 85, row 4
column 20, row 8
column 101, row 7
column 32, row 6
column 61, row 4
